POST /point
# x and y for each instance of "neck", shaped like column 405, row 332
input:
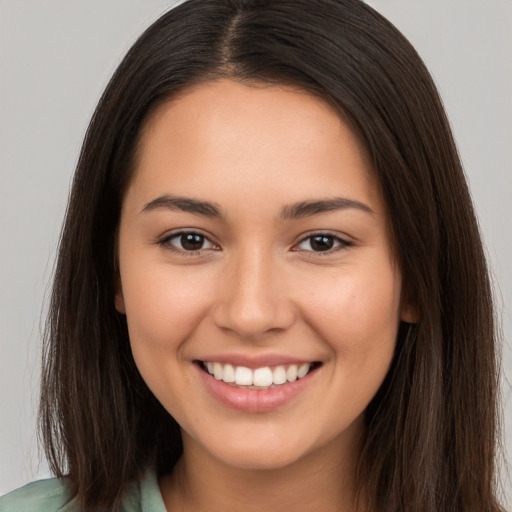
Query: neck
column 323, row 481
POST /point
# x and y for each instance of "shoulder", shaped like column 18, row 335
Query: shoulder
column 42, row 496
column 52, row 495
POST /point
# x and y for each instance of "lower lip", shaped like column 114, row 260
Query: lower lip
column 253, row 400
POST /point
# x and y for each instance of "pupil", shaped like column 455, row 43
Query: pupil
column 191, row 242
column 322, row 243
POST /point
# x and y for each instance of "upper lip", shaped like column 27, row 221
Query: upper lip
column 255, row 361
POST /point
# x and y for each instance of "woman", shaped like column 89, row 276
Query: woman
column 267, row 282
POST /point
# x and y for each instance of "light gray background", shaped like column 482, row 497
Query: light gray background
column 55, row 59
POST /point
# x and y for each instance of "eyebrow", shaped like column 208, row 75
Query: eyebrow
column 309, row 208
column 294, row 211
column 185, row 204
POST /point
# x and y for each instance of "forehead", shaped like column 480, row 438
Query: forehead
column 257, row 138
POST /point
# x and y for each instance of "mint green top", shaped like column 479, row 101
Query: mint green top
column 52, row 496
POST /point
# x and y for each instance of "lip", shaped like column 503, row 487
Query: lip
column 254, row 400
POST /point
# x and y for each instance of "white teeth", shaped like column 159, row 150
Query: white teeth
column 261, row 377
column 291, row 373
column 303, row 370
column 229, row 374
column 243, row 376
column 279, row 375
column 217, row 371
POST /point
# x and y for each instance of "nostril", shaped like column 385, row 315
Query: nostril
column 250, row 320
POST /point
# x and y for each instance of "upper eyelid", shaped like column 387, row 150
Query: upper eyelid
column 338, row 236
column 181, row 231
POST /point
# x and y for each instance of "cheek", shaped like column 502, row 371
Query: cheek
column 163, row 307
column 356, row 312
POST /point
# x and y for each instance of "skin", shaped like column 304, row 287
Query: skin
column 258, row 287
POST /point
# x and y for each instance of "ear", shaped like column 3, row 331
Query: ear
column 118, row 287
column 119, row 297
column 409, row 313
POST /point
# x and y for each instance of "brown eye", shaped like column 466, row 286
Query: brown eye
column 323, row 242
column 187, row 242
column 192, row 241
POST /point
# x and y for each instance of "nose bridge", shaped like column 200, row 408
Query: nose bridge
column 254, row 298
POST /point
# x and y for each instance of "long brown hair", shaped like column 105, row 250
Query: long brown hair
column 431, row 428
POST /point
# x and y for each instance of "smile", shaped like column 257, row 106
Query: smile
column 260, row 389
column 257, row 378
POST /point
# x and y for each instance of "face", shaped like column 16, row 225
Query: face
column 256, row 273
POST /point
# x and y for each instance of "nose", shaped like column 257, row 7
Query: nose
column 253, row 299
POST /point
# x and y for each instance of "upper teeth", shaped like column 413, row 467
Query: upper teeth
column 261, row 377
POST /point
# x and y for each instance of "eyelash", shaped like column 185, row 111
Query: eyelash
column 167, row 243
column 341, row 243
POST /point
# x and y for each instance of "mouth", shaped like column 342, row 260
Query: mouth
column 263, row 378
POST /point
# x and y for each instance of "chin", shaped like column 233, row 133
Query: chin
column 259, row 460
column 264, row 454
